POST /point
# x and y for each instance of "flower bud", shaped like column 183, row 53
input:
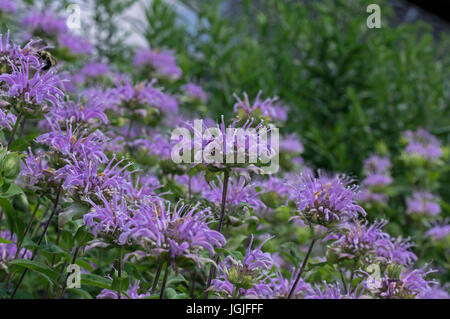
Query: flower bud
column 10, row 165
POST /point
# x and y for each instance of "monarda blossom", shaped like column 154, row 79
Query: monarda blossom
column 239, row 192
column 11, row 53
column 173, row 233
column 195, row 184
column 163, row 62
column 86, row 178
column 75, row 44
column 131, row 293
column 91, row 71
column 422, row 203
column 8, row 6
column 7, row 120
column 401, row 283
column 195, row 92
column 260, row 107
column 107, row 219
column 144, row 95
column 292, row 144
column 73, row 142
column 246, row 278
column 90, row 112
column 356, row 240
column 331, row 291
column 282, row 286
column 8, row 251
column 326, row 201
column 397, row 251
column 32, row 88
column 438, row 230
column 423, row 144
column 35, row 172
column 46, row 23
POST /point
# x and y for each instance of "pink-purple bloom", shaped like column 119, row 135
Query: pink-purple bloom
column 423, row 203
column 326, row 201
column 162, row 61
column 8, row 251
column 424, row 144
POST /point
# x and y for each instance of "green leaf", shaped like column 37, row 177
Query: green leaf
column 74, row 211
column 10, row 190
column 83, row 293
column 5, row 241
column 83, row 236
column 38, row 267
column 10, row 214
column 21, row 144
column 95, row 281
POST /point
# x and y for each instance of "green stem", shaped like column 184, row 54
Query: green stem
column 55, row 206
column 13, row 132
column 119, row 271
column 19, row 245
column 226, row 177
column 74, row 259
column 163, row 287
column 158, row 273
column 302, row 268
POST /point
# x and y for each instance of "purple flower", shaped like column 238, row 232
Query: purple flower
column 86, row 178
column 173, row 233
column 48, row 23
column 35, row 170
column 108, row 219
column 7, row 120
column 35, row 88
column 75, row 44
column 423, row 203
column 131, row 293
column 331, row 291
column 239, row 192
column 377, row 165
column 71, row 142
column 423, row 144
column 91, row 112
column 377, row 180
column 292, row 144
column 264, row 107
column 366, row 195
column 397, row 251
column 143, row 190
column 282, row 286
column 163, row 62
column 156, row 144
column 8, row 251
column 355, row 240
column 91, row 71
column 195, row 92
column 8, row 6
column 145, row 95
column 438, row 230
column 247, row 278
column 435, row 292
column 326, row 201
column 403, row 283
column 196, row 183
